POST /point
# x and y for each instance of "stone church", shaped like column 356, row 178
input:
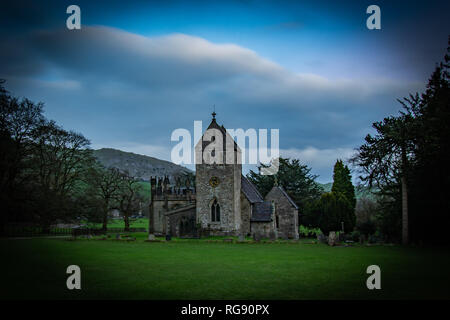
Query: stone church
column 222, row 202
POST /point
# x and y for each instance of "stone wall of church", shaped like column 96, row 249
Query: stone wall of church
column 157, row 211
column 182, row 223
column 285, row 213
column 263, row 230
column 237, row 171
column 246, row 213
column 227, row 193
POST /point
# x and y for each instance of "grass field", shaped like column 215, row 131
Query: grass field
column 118, row 223
column 202, row 269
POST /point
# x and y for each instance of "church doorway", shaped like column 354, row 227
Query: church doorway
column 186, row 227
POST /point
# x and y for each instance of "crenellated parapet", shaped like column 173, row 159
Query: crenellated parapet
column 161, row 186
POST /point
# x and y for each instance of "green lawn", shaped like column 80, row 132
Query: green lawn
column 199, row 269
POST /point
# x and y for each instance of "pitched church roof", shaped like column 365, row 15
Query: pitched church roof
column 262, row 212
column 221, row 128
column 287, row 196
column 251, row 193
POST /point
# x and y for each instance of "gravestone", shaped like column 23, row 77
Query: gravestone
column 151, row 237
column 332, row 239
column 241, row 238
column 322, row 238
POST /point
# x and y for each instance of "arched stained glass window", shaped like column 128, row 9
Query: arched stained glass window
column 215, row 211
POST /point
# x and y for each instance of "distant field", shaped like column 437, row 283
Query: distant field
column 118, row 223
column 212, row 269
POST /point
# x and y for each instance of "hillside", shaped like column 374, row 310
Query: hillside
column 139, row 166
column 143, row 167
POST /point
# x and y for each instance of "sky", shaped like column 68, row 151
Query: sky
column 138, row 70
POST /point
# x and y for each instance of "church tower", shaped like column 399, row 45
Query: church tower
column 218, row 181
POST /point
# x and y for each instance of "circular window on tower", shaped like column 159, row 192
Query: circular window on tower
column 214, row 182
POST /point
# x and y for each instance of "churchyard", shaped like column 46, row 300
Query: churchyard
column 211, row 268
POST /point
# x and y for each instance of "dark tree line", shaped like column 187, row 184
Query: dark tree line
column 408, row 161
column 328, row 211
column 335, row 210
column 49, row 174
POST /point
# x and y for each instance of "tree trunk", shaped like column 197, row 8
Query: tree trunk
column 405, row 236
column 127, row 222
column 105, row 219
column 105, row 222
column 105, row 215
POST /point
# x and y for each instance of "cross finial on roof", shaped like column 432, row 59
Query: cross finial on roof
column 214, row 112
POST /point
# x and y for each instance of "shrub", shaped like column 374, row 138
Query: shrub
column 368, row 227
column 355, row 235
column 377, row 237
column 305, row 232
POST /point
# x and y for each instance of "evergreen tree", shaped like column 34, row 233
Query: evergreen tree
column 408, row 161
column 334, row 209
column 342, row 182
column 294, row 177
column 430, row 173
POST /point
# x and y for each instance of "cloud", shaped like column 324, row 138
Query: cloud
column 174, row 61
column 321, row 161
column 166, row 61
column 318, row 158
column 115, row 86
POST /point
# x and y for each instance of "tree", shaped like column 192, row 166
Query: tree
column 430, row 173
column 129, row 198
column 342, row 183
column 294, row 177
column 59, row 160
column 105, row 188
column 19, row 119
column 366, row 213
column 385, row 159
column 42, row 165
column 408, row 160
column 333, row 209
column 311, row 214
column 389, row 217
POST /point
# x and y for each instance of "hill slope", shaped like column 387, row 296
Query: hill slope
column 139, row 166
column 143, row 167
